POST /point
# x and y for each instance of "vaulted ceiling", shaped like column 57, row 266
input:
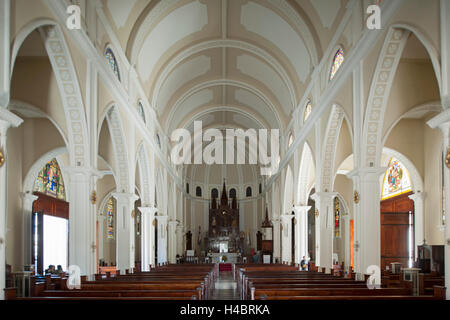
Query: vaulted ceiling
column 230, row 63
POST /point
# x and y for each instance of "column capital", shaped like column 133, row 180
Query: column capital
column 8, row 119
column 323, row 196
column 162, row 219
column 101, row 217
column 366, row 173
column 417, row 196
column 301, row 209
column 173, row 223
column 26, row 196
column 148, row 210
column 85, row 172
column 442, row 120
column 285, row 218
column 121, row 196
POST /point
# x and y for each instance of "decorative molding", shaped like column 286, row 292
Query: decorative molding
column 120, row 149
column 330, row 145
column 64, row 71
column 225, row 43
column 386, row 68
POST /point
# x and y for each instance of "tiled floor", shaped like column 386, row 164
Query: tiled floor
column 225, row 287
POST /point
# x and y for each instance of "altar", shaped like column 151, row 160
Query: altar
column 231, row 257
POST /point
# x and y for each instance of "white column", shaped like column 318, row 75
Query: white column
column 301, row 232
column 442, row 121
column 101, row 225
column 82, row 248
column 125, row 231
column 419, row 236
column 27, row 205
column 7, row 119
column 172, row 239
column 148, row 237
column 276, row 239
column 5, row 45
column 445, row 51
column 324, row 205
column 367, row 220
column 180, row 235
column 162, row 239
column 346, row 221
column 286, row 238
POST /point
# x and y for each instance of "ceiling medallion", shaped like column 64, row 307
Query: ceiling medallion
column 2, row 158
column 447, row 158
column 356, row 197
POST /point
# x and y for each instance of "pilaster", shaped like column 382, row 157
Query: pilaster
column 27, row 205
column 162, row 238
column 324, row 221
column 125, row 231
column 172, row 239
column 286, row 238
column 148, row 237
column 419, row 232
column 301, row 232
column 367, row 218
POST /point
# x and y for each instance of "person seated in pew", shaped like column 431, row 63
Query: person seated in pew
column 50, row 270
column 304, row 264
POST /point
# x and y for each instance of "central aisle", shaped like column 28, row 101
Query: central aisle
column 225, row 287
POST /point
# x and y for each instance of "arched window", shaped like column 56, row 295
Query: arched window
column 338, row 59
column 50, row 181
column 198, row 191
column 109, row 55
column 141, row 111
column 248, row 192
column 110, row 213
column 214, row 193
column 307, row 112
column 260, row 188
column 396, row 180
column 232, row 193
column 337, row 218
column 187, row 188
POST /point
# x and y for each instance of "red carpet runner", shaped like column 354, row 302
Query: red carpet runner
column 225, row 267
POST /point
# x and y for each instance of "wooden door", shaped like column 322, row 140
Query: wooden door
column 397, row 230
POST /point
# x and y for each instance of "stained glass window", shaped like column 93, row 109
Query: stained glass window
column 232, row 193
column 338, row 59
column 109, row 55
column 248, row 192
column 396, row 180
column 50, row 181
column 110, row 210
column 198, row 192
column 141, row 111
column 337, row 218
column 308, row 110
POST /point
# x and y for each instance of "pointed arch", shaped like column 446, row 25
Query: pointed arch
column 288, row 191
column 306, row 167
column 143, row 163
column 329, row 147
column 67, row 81
column 120, row 149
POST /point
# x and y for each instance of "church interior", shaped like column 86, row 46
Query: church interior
column 98, row 98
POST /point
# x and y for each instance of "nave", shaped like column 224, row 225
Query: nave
column 154, row 135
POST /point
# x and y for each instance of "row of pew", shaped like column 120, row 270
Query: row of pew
column 285, row 282
column 169, row 282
